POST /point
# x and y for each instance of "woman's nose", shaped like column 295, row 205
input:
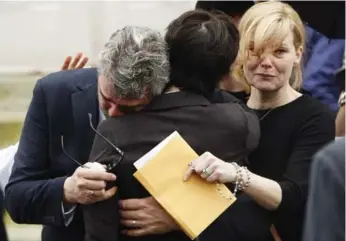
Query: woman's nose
column 266, row 61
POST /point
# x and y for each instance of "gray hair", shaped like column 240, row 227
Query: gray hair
column 135, row 61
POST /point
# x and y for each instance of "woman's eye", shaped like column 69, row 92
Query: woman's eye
column 251, row 51
column 280, row 51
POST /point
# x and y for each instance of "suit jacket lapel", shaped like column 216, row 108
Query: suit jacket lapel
column 84, row 102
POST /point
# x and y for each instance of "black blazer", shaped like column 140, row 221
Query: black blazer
column 3, row 234
column 60, row 106
column 227, row 130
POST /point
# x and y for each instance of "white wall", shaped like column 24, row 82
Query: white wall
column 40, row 34
column 36, row 36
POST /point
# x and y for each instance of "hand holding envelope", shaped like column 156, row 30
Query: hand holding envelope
column 161, row 172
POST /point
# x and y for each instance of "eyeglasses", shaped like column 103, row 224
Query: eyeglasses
column 129, row 109
column 110, row 163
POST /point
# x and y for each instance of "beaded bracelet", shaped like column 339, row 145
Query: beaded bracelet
column 243, row 185
column 237, row 179
column 240, row 185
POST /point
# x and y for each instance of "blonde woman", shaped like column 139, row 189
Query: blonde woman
column 293, row 126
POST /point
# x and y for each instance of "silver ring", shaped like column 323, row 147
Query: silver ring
column 205, row 172
column 91, row 193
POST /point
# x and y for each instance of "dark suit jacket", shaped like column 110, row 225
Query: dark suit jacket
column 325, row 216
column 60, row 106
column 226, row 130
column 3, row 234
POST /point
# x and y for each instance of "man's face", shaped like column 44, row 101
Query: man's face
column 113, row 106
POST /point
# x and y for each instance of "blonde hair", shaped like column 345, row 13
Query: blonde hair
column 267, row 24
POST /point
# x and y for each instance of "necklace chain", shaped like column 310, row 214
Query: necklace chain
column 267, row 113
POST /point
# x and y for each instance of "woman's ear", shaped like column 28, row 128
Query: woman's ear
column 299, row 53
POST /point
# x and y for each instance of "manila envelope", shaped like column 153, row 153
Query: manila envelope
column 194, row 204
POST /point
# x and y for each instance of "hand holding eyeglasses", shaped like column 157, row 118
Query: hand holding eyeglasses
column 88, row 185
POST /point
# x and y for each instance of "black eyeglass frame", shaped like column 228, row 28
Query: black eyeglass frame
column 109, row 166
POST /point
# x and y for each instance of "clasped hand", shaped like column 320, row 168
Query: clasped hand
column 145, row 216
column 87, row 185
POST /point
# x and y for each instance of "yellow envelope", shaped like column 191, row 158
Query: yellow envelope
column 194, row 204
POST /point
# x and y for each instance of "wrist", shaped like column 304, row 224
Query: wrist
column 67, row 196
column 241, row 178
column 234, row 172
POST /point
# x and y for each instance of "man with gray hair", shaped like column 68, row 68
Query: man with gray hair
column 45, row 185
column 133, row 68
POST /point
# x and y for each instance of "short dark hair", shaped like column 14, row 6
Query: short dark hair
column 201, row 47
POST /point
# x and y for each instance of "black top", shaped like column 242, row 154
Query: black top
column 226, row 129
column 290, row 136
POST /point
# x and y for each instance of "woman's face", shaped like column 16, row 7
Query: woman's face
column 272, row 70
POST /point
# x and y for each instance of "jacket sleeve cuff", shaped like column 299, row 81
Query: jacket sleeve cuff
column 56, row 195
column 68, row 212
